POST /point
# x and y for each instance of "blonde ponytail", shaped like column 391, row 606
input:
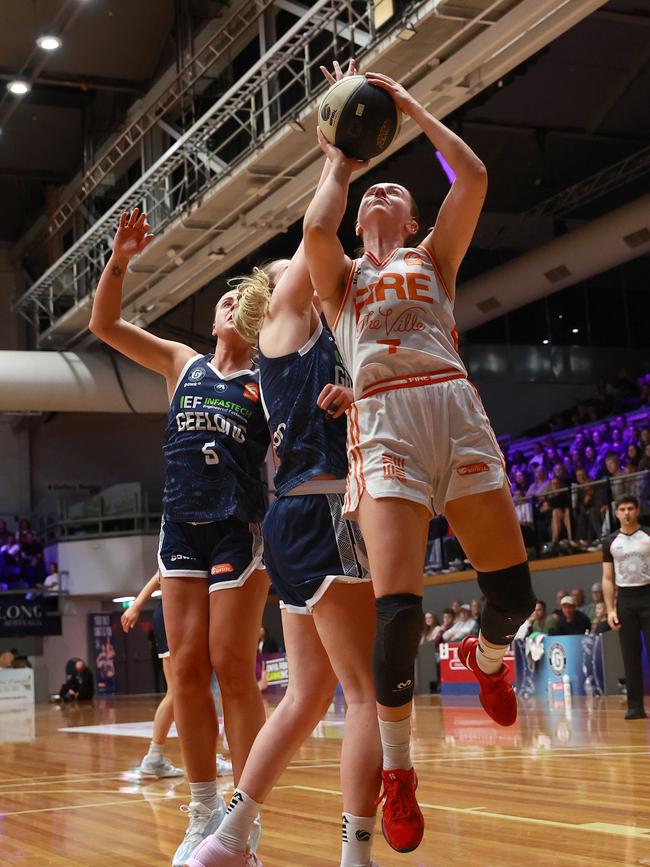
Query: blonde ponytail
column 253, row 298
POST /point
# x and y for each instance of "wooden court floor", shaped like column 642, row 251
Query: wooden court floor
column 562, row 787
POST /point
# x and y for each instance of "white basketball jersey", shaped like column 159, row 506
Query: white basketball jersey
column 395, row 327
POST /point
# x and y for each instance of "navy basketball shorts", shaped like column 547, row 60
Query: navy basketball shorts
column 225, row 553
column 159, row 634
column 308, row 545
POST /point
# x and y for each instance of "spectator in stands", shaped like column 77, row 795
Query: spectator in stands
column 588, row 501
column 538, row 621
column 589, row 461
column 540, row 482
column 265, row 643
column 644, row 437
column 464, row 626
column 559, row 596
column 524, row 511
column 599, row 623
column 53, row 580
column 633, row 454
column 10, row 562
column 644, row 463
column 556, row 505
column 8, row 658
column 448, row 618
column 578, row 596
column 31, row 558
column 537, row 460
column 79, row 687
column 571, row 621
column 456, row 605
column 24, row 526
column 475, row 610
column 4, row 532
column 430, row 623
column 596, row 597
column 550, row 457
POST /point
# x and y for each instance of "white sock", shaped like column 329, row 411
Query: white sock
column 357, row 834
column 489, row 659
column 155, row 752
column 237, row 825
column 396, row 743
column 205, row 793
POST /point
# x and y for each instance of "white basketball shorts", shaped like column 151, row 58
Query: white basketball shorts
column 429, row 444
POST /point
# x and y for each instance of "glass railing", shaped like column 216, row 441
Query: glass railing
column 568, row 520
column 122, row 509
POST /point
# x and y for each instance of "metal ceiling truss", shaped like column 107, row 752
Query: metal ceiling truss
column 203, row 61
column 242, row 166
column 564, row 203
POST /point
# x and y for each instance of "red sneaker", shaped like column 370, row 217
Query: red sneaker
column 496, row 695
column 402, row 823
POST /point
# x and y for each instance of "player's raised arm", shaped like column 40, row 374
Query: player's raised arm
column 328, row 264
column 458, row 216
column 162, row 356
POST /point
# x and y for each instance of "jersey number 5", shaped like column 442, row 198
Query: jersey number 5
column 211, row 455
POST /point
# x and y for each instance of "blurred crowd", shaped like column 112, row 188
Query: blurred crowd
column 563, row 490
column 22, row 565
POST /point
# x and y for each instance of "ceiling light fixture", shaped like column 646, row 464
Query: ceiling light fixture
column 545, row 342
column 48, row 42
column 574, row 330
column 124, row 599
column 18, row 87
column 407, row 33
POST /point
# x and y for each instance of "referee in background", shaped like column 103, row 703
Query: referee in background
column 626, row 564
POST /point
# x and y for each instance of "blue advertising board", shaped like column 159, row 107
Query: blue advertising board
column 568, row 662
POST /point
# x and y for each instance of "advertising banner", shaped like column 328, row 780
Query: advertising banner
column 273, row 671
column 103, row 654
column 29, row 614
column 560, row 665
column 455, row 679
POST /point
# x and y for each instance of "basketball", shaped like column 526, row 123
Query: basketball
column 358, row 117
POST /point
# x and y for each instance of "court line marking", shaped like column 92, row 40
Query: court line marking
column 122, row 803
column 116, row 775
column 598, row 827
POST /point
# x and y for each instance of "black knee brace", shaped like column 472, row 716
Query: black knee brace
column 399, row 628
column 509, row 600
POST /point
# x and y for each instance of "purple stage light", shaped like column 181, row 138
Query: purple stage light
column 447, row 169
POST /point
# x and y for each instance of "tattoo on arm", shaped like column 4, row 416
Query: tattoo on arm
column 116, row 271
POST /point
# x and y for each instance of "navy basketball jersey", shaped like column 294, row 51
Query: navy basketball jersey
column 306, row 441
column 215, row 444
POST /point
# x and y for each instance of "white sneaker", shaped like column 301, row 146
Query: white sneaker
column 224, row 767
column 163, row 768
column 255, row 835
column 202, row 823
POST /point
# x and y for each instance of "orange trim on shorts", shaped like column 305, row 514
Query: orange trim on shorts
column 431, row 377
column 436, row 268
column 348, row 285
column 356, row 456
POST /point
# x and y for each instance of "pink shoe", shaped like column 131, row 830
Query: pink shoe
column 211, row 853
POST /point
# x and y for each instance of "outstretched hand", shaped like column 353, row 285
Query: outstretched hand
column 338, row 72
column 402, row 98
column 336, row 155
column 133, row 235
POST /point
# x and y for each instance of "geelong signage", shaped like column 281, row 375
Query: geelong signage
column 22, row 617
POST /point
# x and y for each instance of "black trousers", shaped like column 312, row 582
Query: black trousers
column 633, row 608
